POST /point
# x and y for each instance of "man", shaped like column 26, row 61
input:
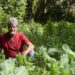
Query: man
column 12, row 42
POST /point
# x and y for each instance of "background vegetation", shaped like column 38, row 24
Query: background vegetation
column 48, row 24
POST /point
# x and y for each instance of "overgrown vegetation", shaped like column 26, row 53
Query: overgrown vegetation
column 52, row 56
column 38, row 10
column 52, row 34
column 42, row 63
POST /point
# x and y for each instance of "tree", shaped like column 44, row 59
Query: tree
column 54, row 10
column 14, row 8
column 29, row 12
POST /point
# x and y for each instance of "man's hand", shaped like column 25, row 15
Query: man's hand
column 29, row 49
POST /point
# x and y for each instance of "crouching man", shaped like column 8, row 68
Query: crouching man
column 12, row 42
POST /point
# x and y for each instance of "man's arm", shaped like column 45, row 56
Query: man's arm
column 29, row 48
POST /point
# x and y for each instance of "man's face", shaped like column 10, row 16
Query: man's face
column 12, row 29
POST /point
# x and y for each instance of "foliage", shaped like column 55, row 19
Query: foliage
column 41, row 64
column 9, row 67
column 33, row 31
column 52, row 34
column 14, row 8
column 51, row 56
column 38, row 10
column 54, row 10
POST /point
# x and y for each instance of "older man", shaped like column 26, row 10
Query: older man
column 12, row 42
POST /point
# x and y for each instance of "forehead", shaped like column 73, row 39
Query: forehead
column 12, row 26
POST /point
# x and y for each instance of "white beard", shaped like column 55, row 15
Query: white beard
column 12, row 33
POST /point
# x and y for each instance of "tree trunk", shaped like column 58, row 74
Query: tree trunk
column 28, row 9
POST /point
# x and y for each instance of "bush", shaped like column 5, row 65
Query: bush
column 52, row 34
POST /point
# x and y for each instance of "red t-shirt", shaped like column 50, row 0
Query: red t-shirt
column 13, row 46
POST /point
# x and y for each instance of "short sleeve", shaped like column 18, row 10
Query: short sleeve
column 24, row 39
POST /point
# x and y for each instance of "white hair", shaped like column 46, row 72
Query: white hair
column 13, row 21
